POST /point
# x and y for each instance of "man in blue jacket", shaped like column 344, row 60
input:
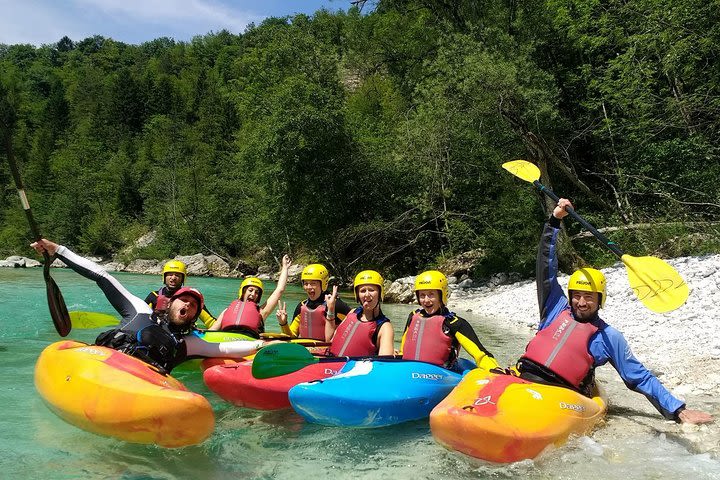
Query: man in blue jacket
column 573, row 340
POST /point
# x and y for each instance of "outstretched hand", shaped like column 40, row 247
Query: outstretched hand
column 695, row 416
column 43, row 245
column 286, row 262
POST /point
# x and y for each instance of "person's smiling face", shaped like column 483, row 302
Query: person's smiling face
column 584, row 304
column 312, row 288
column 429, row 300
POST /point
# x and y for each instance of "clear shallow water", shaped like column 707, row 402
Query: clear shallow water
column 252, row 444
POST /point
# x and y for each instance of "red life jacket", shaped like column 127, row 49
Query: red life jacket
column 562, row 347
column 162, row 301
column 312, row 322
column 353, row 337
column 425, row 340
column 242, row 316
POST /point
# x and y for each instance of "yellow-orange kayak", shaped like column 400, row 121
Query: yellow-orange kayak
column 107, row 392
column 502, row 418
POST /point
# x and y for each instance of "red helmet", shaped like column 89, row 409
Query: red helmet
column 193, row 292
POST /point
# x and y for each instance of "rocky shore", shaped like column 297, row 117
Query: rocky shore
column 198, row 265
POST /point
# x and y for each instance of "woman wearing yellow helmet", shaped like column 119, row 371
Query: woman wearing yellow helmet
column 434, row 334
column 366, row 330
column 572, row 340
column 174, row 273
column 245, row 314
column 308, row 320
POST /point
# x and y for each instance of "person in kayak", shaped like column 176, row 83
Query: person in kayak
column 434, row 334
column 308, row 320
column 245, row 314
column 572, row 340
column 365, row 330
column 174, row 273
column 163, row 339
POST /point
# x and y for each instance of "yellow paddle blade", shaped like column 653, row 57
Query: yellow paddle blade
column 523, row 169
column 656, row 284
column 92, row 320
column 275, row 336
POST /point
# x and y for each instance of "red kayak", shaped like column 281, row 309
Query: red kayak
column 236, row 384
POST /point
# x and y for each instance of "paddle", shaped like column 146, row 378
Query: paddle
column 86, row 320
column 56, row 303
column 283, row 358
column 655, row 283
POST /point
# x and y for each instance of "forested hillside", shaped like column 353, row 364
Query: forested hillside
column 375, row 138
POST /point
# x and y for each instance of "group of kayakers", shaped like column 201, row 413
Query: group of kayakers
column 572, row 339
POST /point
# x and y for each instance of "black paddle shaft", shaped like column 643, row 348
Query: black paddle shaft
column 609, row 244
column 56, row 303
column 21, row 190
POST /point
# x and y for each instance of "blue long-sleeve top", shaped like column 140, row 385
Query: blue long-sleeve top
column 607, row 344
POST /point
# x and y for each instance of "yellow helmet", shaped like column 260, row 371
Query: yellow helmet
column 588, row 280
column 432, row 280
column 315, row 271
column 250, row 282
column 174, row 266
column 368, row 277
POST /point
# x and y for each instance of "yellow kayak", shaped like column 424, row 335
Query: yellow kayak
column 107, row 392
column 502, row 418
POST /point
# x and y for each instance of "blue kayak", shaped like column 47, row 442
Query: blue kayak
column 375, row 393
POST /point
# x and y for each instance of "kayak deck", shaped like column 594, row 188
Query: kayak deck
column 107, row 392
column 374, row 393
column 502, row 418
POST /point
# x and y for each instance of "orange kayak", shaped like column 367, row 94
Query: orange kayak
column 107, row 392
column 502, row 418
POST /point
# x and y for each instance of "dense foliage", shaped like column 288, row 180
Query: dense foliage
column 375, row 139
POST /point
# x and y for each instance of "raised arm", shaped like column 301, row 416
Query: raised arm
column 124, row 302
column 274, row 298
column 551, row 298
column 330, row 325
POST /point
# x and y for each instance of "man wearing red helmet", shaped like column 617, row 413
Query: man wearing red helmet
column 162, row 338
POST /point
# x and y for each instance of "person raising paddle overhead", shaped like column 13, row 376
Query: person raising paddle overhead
column 163, row 339
column 572, row 340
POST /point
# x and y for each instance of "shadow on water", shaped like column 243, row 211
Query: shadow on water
column 629, row 412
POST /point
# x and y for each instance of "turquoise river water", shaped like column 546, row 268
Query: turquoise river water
column 252, row 444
